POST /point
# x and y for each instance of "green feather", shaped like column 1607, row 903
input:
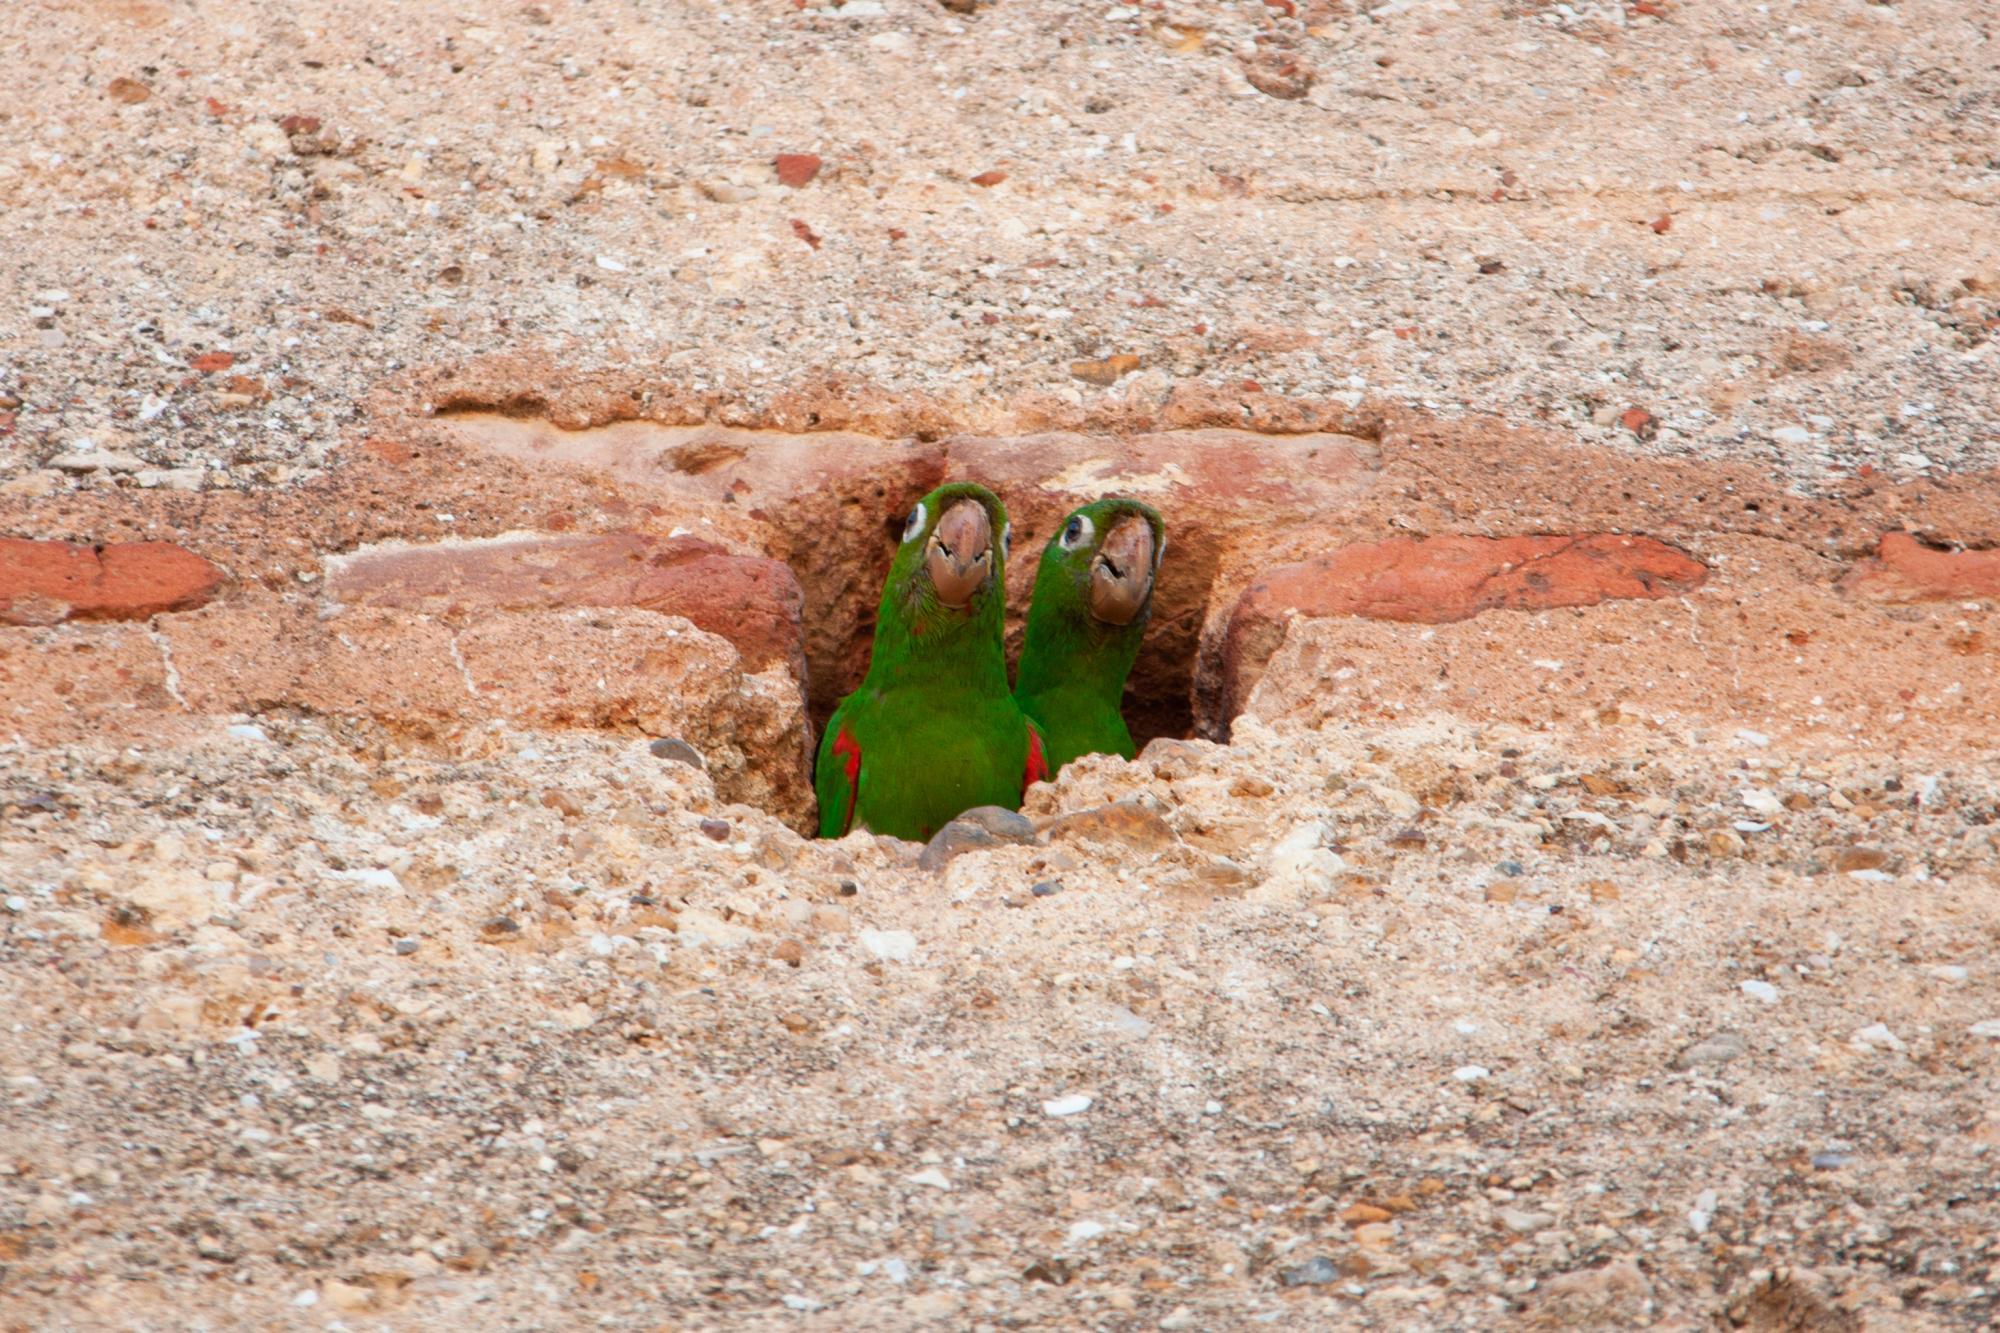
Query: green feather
column 1073, row 667
column 933, row 730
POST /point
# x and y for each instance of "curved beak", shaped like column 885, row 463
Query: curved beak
column 960, row 559
column 1121, row 577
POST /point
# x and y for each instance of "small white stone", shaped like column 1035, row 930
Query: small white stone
column 1524, row 1223
column 699, row 927
column 1762, row 802
column 1986, row 1027
column 1086, row 1230
column 1761, row 990
column 1702, row 1213
column 1074, row 1104
column 1211, row 1108
column 262, row 136
column 16, row 903
column 934, row 1178
column 1878, row 1037
column 1470, row 1073
column 1745, row 736
column 248, row 731
column 306, row 1298
column 85, row 459
column 891, row 946
column 609, row 265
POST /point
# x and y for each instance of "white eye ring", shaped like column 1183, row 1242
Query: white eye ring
column 914, row 525
column 1077, row 532
column 1006, row 538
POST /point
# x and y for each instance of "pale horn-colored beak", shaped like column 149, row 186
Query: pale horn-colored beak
column 960, row 559
column 1121, row 577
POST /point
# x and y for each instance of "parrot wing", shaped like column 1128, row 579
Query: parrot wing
column 1038, row 764
column 837, row 781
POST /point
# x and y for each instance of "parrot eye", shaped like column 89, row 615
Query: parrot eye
column 1078, row 531
column 915, row 524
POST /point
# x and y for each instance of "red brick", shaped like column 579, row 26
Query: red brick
column 44, row 583
column 753, row 602
column 1903, row 569
column 796, row 169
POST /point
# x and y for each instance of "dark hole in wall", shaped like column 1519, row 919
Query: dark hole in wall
column 1158, row 694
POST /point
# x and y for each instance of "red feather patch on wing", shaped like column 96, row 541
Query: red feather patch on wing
column 848, row 749
column 1038, row 767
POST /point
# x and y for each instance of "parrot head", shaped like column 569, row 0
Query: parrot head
column 953, row 554
column 1107, row 553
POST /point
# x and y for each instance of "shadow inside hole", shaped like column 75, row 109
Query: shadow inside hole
column 1151, row 716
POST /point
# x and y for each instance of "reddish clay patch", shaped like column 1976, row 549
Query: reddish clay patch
column 1454, row 578
column 208, row 363
column 1640, row 422
column 393, row 452
column 752, row 602
column 45, row 583
column 1436, row 581
column 796, row 170
column 1903, row 569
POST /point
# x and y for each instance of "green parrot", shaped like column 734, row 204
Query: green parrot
column 1093, row 596
column 933, row 731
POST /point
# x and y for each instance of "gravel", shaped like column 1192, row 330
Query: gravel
column 638, row 1074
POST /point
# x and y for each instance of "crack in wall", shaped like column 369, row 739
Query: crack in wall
column 464, row 671
column 171, row 674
